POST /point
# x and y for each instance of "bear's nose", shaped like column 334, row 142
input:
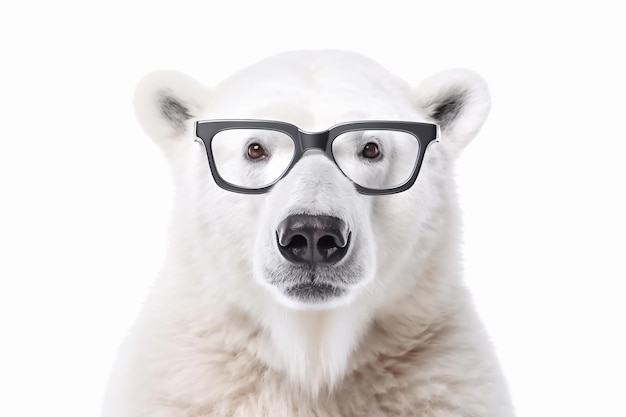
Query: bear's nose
column 307, row 239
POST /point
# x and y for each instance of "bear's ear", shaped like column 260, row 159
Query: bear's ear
column 164, row 101
column 458, row 101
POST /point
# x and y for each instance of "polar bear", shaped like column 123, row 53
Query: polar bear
column 309, row 289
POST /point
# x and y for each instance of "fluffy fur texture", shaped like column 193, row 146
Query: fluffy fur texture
column 217, row 337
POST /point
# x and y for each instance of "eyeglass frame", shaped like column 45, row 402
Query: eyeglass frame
column 206, row 130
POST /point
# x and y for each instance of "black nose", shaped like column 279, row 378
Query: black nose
column 305, row 239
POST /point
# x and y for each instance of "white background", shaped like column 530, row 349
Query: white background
column 84, row 196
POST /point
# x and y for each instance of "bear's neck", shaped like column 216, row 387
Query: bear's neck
column 312, row 348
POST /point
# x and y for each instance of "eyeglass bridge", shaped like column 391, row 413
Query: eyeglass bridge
column 312, row 140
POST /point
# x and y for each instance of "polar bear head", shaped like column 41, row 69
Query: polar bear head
column 316, row 240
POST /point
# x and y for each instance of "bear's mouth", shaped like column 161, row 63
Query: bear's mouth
column 316, row 284
column 314, row 292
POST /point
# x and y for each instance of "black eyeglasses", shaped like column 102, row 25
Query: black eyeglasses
column 379, row 157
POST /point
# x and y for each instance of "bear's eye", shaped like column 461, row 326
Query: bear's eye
column 256, row 151
column 370, row 151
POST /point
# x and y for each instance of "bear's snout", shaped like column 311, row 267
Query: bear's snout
column 312, row 240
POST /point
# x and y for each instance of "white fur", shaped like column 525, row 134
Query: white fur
column 217, row 339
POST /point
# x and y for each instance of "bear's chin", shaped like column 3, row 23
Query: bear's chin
column 313, row 297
